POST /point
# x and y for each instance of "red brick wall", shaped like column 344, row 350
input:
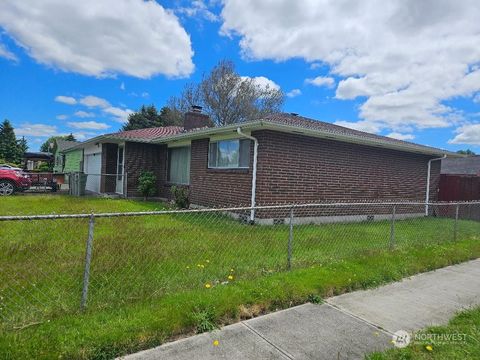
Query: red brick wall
column 295, row 168
column 215, row 187
column 140, row 157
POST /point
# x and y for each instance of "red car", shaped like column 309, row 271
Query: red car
column 12, row 181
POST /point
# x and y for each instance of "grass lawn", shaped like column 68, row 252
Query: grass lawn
column 155, row 276
column 466, row 346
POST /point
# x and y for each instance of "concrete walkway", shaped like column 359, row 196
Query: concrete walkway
column 345, row 327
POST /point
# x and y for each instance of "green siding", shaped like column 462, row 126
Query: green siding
column 73, row 160
column 58, row 162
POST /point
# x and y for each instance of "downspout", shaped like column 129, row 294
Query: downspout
column 427, row 192
column 254, row 172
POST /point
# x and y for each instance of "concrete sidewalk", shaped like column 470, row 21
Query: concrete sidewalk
column 345, row 327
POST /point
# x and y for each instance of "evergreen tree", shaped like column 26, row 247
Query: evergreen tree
column 146, row 117
column 9, row 149
column 22, row 145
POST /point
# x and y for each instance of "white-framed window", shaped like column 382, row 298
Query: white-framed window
column 229, row 154
column 179, row 165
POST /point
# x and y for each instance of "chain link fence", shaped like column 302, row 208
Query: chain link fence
column 53, row 265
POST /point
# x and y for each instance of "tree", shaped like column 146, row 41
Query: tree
column 148, row 117
column 51, row 144
column 227, row 97
column 22, row 145
column 171, row 117
column 9, row 148
column 467, row 152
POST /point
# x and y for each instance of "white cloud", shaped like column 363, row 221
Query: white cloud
column 7, row 54
column 66, row 100
column 100, row 38
column 294, row 92
column 84, row 135
column 197, row 9
column 62, row 117
column 467, row 134
column 122, row 86
column 38, row 130
column 399, row 136
column 84, row 114
column 476, row 98
column 94, row 101
column 262, row 82
column 88, row 125
column 406, row 57
column 321, row 81
column 120, row 115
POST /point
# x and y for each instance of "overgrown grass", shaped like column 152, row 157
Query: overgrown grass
column 65, row 204
column 155, row 276
column 463, row 328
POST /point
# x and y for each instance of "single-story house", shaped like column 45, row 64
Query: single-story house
column 281, row 158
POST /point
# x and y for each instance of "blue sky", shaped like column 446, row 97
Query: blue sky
column 402, row 70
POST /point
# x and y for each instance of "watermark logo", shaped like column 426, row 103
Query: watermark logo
column 401, row 339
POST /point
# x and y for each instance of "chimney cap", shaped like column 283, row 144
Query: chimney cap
column 196, row 108
column 294, row 114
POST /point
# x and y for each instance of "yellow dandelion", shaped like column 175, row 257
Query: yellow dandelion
column 207, row 261
column 202, row 266
column 208, row 285
column 231, row 270
column 230, row 277
column 216, row 342
column 199, row 265
column 429, row 348
column 188, row 267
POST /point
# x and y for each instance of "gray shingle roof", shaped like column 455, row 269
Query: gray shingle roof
column 307, row 123
column 63, row 145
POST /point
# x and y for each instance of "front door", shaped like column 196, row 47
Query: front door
column 120, row 172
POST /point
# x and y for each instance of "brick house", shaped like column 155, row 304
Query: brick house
column 297, row 160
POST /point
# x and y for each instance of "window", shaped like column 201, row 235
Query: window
column 226, row 154
column 179, row 165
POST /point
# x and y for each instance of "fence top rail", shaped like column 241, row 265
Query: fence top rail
column 227, row 209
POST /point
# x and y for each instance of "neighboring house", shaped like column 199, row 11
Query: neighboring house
column 460, row 179
column 282, row 158
column 67, row 161
column 32, row 160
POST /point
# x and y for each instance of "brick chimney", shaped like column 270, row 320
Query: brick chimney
column 194, row 119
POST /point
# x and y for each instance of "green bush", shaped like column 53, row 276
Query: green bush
column 147, row 184
column 180, row 197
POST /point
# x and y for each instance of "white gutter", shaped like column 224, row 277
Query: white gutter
column 254, row 172
column 427, row 192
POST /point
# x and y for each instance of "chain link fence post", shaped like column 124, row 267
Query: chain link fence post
column 455, row 224
column 392, row 228
column 290, row 241
column 88, row 259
